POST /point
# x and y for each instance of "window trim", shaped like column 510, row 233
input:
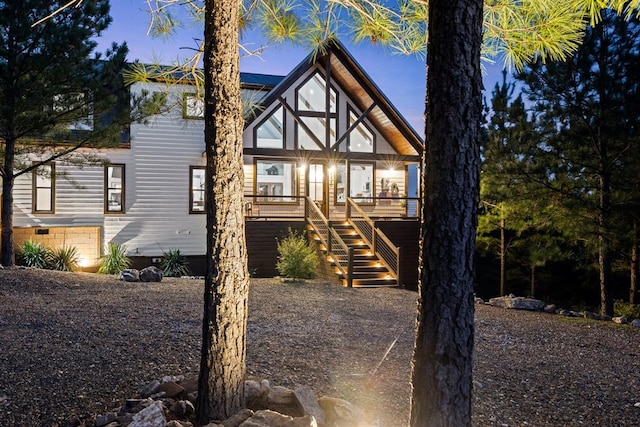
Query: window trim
column 204, row 191
column 52, row 187
column 107, row 188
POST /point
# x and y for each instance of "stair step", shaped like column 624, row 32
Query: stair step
column 371, row 283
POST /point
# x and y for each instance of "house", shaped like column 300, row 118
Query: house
column 322, row 146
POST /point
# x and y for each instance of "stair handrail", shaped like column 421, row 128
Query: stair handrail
column 330, row 238
column 381, row 245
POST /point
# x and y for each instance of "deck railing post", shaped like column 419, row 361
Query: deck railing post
column 398, row 267
column 350, row 269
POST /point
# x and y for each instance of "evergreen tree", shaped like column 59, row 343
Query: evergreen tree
column 57, row 96
column 589, row 107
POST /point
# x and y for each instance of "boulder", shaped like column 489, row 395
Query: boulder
column 151, row 274
column 236, row 419
column 149, row 389
column 636, row 323
column 256, row 393
column 309, row 402
column 170, row 389
column 338, row 412
column 129, row 275
column 103, row 420
column 550, row 308
column 621, row 320
column 151, row 416
column 284, row 401
column 267, row 418
column 183, row 408
column 517, row 303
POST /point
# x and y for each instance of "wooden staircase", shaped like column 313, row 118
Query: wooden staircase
column 366, row 269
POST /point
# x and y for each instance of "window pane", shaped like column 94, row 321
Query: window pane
column 43, row 188
column 276, row 181
column 114, row 188
column 341, row 179
column 193, row 106
column 270, row 134
column 197, row 189
column 317, row 127
column 311, row 96
column 360, row 139
column 361, row 183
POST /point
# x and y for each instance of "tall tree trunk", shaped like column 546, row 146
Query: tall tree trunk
column 223, row 366
column 533, row 280
column 6, row 215
column 503, row 255
column 633, row 285
column 442, row 360
column 604, row 252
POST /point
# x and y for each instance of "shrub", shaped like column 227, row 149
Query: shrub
column 296, row 258
column 33, row 254
column 64, row 259
column 115, row 260
column 174, row 264
column 630, row 311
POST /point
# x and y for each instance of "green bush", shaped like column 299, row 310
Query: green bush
column 115, row 260
column 34, row 254
column 64, row 259
column 174, row 264
column 630, row 311
column 296, row 258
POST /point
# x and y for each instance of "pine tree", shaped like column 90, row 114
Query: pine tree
column 57, row 96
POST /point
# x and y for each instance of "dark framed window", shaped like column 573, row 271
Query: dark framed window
column 114, row 186
column 270, row 132
column 276, row 181
column 197, row 185
column 362, row 182
column 44, row 186
column 318, row 112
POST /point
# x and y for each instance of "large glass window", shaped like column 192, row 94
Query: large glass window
column 197, row 189
column 270, row 134
column 360, row 138
column 341, row 180
column 275, row 181
column 361, row 182
column 44, row 189
column 317, row 125
column 114, row 188
column 312, row 95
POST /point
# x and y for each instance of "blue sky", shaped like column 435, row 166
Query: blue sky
column 401, row 78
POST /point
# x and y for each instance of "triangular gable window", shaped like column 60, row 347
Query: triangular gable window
column 270, row 134
column 361, row 139
column 312, row 95
column 314, row 109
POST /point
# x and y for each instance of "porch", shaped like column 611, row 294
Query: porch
column 368, row 242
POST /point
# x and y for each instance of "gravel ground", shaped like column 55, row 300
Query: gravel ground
column 79, row 344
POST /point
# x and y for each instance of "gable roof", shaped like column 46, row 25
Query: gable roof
column 259, row 81
column 362, row 91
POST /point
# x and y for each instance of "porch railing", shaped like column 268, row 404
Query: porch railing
column 339, row 252
column 382, row 247
column 290, row 207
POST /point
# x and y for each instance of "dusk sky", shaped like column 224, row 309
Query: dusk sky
column 401, row 78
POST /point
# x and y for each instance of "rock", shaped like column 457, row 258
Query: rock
column 129, row 275
column 170, row 389
column 283, row 400
column 621, row 320
column 151, row 416
column 190, row 385
column 517, row 303
column 338, row 412
column 309, row 401
column 151, row 274
column 132, row 403
column 237, row 419
column 175, row 423
column 149, row 389
column 256, row 393
column 267, row 418
column 636, row 323
column 183, row 408
column 103, row 420
column 550, row 308
column 590, row 315
column 479, row 300
column 172, row 378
